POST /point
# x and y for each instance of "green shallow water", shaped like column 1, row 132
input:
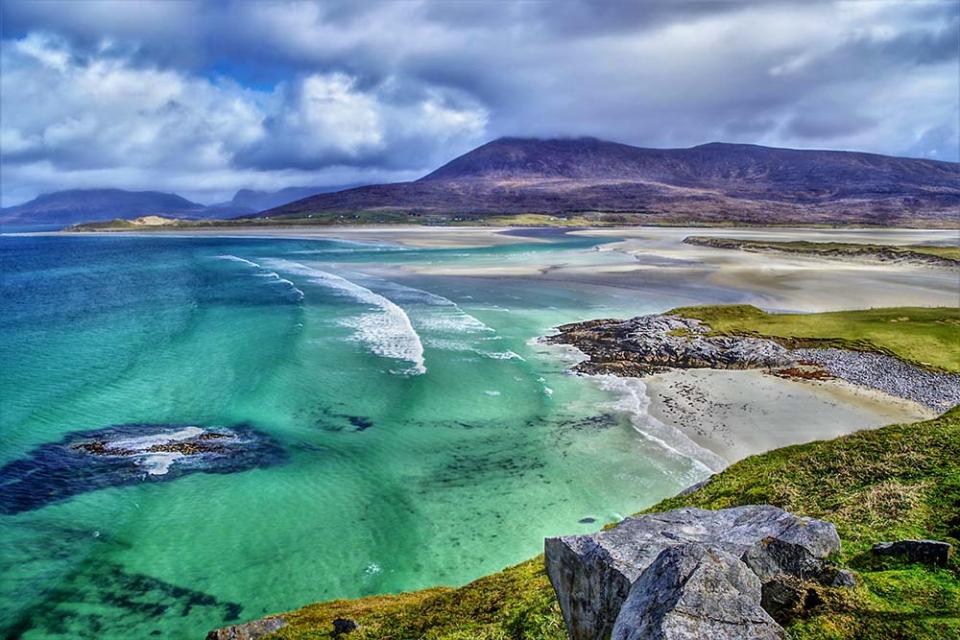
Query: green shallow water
column 429, row 440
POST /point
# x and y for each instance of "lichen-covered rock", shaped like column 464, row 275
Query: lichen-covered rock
column 647, row 344
column 593, row 574
column 932, row 552
column 695, row 591
column 248, row 630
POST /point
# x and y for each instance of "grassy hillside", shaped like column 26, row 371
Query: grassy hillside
column 926, row 336
column 901, row 481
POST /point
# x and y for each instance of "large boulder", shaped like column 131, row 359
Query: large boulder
column 932, row 552
column 593, row 574
column 695, row 591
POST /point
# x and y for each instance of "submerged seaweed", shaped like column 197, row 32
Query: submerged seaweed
column 125, row 454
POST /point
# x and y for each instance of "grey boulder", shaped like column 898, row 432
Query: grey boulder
column 593, row 574
column 695, row 591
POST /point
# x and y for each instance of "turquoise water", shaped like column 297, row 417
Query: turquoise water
column 429, row 440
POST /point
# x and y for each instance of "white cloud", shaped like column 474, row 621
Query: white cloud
column 102, row 119
column 394, row 88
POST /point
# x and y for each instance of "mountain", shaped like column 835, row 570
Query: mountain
column 63, row 208
column 89, row 205
column 254, row 201
column 714, row 182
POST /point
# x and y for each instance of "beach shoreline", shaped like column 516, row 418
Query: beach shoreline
column 738, row 413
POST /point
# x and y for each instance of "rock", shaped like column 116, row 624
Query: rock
column 838, row 578
column 249, row 630
column 647, row 344
column 593, row 574
column 695, row 591
column 932, row 552
column 343, row 625
column 129, row 454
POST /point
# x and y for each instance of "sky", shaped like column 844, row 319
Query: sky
column 204, row 98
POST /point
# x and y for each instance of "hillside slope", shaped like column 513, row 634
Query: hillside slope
column 89, row 205
column 714, row 182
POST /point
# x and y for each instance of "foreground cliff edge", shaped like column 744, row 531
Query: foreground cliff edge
column 897, row 482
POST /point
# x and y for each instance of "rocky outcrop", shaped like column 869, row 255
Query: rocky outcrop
column 647, row 344
column 249, row 630
column 650, row 344
column 932, row 552
column 695, row 591
column 129, row 454
column 698, row 558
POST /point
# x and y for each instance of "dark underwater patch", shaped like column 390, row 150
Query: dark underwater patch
column 102, row 596
column 127, row 454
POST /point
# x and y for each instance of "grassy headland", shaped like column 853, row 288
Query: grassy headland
column 900, row 481
column 946, row 256
column 927, row 336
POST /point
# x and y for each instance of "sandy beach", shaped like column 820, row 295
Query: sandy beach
column 735, row 414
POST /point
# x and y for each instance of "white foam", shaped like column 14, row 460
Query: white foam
column 634, row 401
column 158, row 464
column 240, row 260
column 145, row 442
column 387, row 332
column 502, row 355
column 298, row 294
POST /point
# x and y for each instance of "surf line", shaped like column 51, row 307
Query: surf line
column 387, row 332
column 298, row 294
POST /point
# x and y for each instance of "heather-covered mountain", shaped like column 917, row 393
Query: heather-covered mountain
column 88, row 205
column 715, row 182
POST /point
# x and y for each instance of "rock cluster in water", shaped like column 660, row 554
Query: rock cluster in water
column 691, row 573
column 654, row 343
column 125, row 454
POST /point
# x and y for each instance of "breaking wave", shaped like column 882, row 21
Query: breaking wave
column 387, row 332
column 275, row 277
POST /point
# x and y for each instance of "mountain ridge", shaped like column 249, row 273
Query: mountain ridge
column 713, row 182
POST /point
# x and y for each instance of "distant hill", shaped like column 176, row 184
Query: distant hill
column 87, row 205
column 714, row 183
column 64, row 208
column 251, row 201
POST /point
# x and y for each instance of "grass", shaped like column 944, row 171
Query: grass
column 927, row 336
column 851, row 249
column 901, row 481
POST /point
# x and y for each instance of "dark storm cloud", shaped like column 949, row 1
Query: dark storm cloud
column 207, row 97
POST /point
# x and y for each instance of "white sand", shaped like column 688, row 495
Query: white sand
column 405, row 235
column 736, row 414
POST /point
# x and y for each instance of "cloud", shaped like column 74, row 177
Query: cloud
column 296, row 90
column 115, row 122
